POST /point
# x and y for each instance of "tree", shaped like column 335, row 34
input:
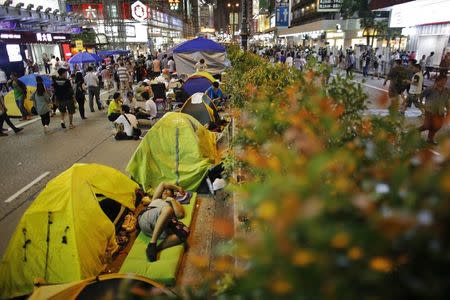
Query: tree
column 360, row 9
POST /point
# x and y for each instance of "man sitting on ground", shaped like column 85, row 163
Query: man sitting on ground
column 154, row 220
column 215, row 93
column 114, row 108
column 130, row 125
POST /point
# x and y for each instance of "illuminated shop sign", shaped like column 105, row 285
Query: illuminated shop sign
column 329, row 5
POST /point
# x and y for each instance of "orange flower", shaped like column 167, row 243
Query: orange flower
column 267, row 210
column 354, row 253
column 383, row 101
column 281, row 287
column 302, row 258
column 340, row 240
column 381, row 264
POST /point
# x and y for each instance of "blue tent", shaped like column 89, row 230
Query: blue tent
column 187, row 54
column 196, row 85
column 30, row 80
column 85, row 57
column 112, row 52
column 199, row 44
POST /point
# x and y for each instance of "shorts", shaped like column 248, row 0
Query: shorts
column 66, row 106
column 147, row 221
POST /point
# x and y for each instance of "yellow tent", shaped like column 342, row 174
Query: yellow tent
column 10, row 102
column 64, row 235
column 120, row 285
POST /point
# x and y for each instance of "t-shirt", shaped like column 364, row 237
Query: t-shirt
column 122, row 72
column 199, row 67
column 437, row 102
column 150, row 107
column 158, row 203
column 18, row 92
column 171, row 65
column 214, row 94
column 127, row 126
column 289, row 61
column 416, row 84
column 114, row 107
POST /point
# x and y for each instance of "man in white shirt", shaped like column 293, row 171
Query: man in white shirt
column 429, row 65
column 289, row 61
column 92, row 82
column 129, row 122
column 150, row 108
column 415, row 90
column 201, row 66
column 171, row 65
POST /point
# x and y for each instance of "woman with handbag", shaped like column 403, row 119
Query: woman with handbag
column 80, row 93
column 41, row 102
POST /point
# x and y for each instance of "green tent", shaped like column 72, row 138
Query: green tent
column 64, row 235
column 177, row 149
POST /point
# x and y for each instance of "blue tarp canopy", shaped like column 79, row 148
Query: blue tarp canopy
column 199, row 44
column 85, row 57
column 30, row 80
column 112, row 52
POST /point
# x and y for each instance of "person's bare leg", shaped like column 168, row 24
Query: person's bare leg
column 170, row 241
column 71, row 119
column 166, row 214
column 161, row 222
column 63, row 116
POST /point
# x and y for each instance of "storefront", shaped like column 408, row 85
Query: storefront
column 426, row 24
column 17, row 46
column 332, row 34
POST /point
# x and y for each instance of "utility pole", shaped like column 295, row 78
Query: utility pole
column 244, row 24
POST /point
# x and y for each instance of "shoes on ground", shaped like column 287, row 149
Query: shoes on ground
column 63, row 125
column 84, row 118
column 3, row 134
column 17, row 130
column 45, row 129
column 71, row 126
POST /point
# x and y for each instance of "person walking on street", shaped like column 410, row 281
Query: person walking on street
column 422, row 62
column 437, row 107
column 46, row 63
column 376, row 66
column 3, row 79
column 41, row 102
column 396, row 78
column 64, row 97
column 4, row 118
column 20, row 93
column 429, row 65
column 80, row 93
column 122, row 73
column 350, row 64
column 156, row 67
column 415, row 90
column 92, row 82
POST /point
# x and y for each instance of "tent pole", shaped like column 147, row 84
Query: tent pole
column 48, row 243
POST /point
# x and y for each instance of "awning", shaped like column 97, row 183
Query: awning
column 320, row 26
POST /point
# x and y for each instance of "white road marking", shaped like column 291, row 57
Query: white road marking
column 371, row 86
column 27, row 187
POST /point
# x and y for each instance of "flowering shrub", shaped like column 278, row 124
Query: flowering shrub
column 339, row 206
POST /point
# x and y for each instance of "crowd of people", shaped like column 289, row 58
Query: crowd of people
column 404, row 72
column 127, row 79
